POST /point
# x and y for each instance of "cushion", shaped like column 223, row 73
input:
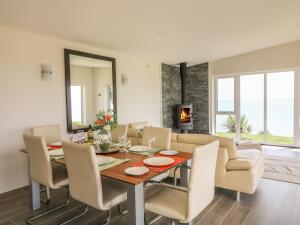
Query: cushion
column 164, row 203
column 138, row 125
column 202, row 139
column 247, row 160
column 133, row 133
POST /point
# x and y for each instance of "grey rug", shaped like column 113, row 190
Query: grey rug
column 282, row 168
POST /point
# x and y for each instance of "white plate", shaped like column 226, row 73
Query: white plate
column 168, row 152
column 136, row 170
column 58, row 144
column 139, row 148
column 56, row 152
column 102, row 160
column 158, row 161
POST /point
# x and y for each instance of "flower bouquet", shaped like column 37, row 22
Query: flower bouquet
column 106, row 121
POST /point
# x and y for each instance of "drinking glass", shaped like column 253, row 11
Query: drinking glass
column 121, row 141
column 150, row 144
column 81, row 136
column 70, row 136
column 128, row 146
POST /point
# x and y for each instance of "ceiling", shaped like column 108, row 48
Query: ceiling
column 171, row 31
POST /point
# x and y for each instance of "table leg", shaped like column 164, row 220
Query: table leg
column 35, row 195
column 184, row 175
column 135, row 199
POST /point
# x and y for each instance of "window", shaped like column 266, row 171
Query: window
column 257, row 107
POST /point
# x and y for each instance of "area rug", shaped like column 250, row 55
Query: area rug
column 282, row 168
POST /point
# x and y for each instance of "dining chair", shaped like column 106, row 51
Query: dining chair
column 41, row 170
column 120, row 130
column 162, row 140
column 162, row 137
column 85, row 181
column 184, row 204
column 51, row 133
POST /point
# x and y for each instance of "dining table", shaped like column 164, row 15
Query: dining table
column 135, row 184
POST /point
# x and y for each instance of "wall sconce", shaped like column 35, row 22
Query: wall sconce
column 46, row 72
column 124, row 79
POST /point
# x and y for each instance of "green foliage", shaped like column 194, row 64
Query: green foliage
column 105, row 121
column 230, row 124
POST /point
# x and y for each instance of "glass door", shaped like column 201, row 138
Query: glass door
column 280, row 108
column 252, row 107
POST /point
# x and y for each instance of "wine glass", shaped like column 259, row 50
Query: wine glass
column 150, row 144
column 81, row 136
column 70, row 136
column 128, row 146
column 121, row 141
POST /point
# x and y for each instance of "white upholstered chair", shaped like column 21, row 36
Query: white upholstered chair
column 41, row 170
column 162, row 136
column 162, row 140
column 119, row 131
column 85, row 182
column 184, row 204
column 51, row 133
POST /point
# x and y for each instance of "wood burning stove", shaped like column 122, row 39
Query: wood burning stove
column 185, row 117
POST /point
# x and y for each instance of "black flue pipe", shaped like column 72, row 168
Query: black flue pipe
column 183, row 73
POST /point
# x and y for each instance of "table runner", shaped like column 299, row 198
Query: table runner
column 116, row 162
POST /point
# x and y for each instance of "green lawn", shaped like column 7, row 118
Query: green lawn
column 259, row 138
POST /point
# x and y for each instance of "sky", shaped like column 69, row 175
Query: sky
column 280, row 86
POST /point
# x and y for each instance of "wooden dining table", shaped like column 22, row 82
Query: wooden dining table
column 135, row 184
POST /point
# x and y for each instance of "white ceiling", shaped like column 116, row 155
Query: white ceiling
column 171, row 31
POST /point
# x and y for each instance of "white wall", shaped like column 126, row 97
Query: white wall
column 26, row 100
column 286, row 56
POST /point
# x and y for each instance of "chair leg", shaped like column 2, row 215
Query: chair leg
column 120, row 211
column 47, row 201
column 173, row 222
column 155, row 219
column 107, row 218
column 238, row 196
column 31, row 219
column 86, row 208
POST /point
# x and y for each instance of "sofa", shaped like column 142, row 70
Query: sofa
column 239, row 167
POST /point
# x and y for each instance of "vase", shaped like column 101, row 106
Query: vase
column 104, row 138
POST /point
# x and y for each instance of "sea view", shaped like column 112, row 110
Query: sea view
column 280, row 116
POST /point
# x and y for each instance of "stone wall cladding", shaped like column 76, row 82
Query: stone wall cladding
column 196, row 92
column 171, row 94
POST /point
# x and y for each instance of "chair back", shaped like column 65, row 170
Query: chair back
column 202, row 178
column 162, row 136
column 119, row 131
column 51, row 133
column 39, row 160
column 84, row 175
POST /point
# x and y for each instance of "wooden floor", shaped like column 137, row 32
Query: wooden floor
column 273, row 203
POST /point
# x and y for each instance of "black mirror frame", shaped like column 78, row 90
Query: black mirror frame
column 67, row 53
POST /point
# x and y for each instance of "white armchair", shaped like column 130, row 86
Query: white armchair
column 189, row 202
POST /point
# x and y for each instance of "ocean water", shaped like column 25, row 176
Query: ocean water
column 280, row 116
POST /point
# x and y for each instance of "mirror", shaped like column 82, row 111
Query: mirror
column 90, row 87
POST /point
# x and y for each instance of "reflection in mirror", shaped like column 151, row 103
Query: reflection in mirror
column 90, row 85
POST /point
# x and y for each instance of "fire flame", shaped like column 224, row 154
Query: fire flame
column 183, row 115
